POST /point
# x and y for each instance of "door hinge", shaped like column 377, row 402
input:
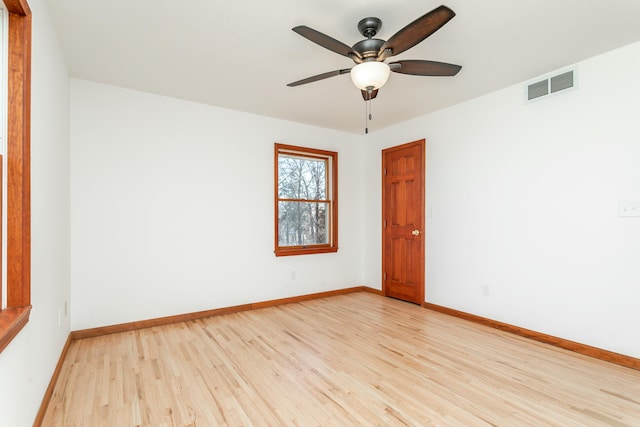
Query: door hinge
column 385, row 223
column 385, row 171
column 385, row 276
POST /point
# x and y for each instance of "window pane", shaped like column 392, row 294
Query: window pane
column 302, row 178
column 302, row 223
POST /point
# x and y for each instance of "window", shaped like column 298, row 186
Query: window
column 15, row 314
column 306, row 200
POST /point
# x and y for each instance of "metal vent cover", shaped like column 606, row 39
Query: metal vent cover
column 550, row 85
column 536, row 90
column 562, row 81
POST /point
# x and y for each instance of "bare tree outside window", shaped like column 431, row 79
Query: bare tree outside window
column 305, row 200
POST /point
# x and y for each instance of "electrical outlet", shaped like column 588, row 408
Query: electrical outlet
column 293, row 275
column 486, row 290
column 66, row 312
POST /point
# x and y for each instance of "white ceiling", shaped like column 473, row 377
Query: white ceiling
column 241, row 54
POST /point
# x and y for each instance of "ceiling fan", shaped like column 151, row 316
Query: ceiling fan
column 371, row 71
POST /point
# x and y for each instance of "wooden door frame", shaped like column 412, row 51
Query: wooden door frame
column 422, row 144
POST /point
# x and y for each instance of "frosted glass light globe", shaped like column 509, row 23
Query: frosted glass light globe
column 370, row 75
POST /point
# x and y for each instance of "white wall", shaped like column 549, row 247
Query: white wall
column 27, row 364
column 524, row 197
column 172, row 208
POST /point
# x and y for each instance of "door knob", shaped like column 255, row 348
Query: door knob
column 416, row 232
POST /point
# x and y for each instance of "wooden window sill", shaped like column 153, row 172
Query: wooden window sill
column 306, row 251
column 12, row 320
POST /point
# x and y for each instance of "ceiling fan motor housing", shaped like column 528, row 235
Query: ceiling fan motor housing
column 368, row 48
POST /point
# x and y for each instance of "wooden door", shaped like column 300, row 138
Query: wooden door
column 403, row 202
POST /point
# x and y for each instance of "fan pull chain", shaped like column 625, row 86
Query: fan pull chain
column 367, row 115
column 366, row 122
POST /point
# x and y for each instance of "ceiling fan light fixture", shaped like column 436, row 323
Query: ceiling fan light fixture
column 370, row 75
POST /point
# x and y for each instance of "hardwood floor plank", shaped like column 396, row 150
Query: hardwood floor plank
column 346, row 360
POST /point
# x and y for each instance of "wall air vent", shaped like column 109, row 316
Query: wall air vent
column 536, row 90
column 561, row 81
column 550, row 85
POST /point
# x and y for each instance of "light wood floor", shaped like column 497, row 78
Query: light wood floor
column 357, row 359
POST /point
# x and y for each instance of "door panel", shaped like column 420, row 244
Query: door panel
column 403, row 201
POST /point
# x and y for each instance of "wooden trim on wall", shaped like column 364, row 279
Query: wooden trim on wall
column 19, row 7
column 587, row 350
column 18, row 156
column 373, row 291
column 12, row 320
column 161, row 321
column 52, row 384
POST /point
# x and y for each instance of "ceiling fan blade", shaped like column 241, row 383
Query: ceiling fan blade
column 419, row 67
column 418, row 30
column 369, row 95
column 324, row 40
column 320, row 77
